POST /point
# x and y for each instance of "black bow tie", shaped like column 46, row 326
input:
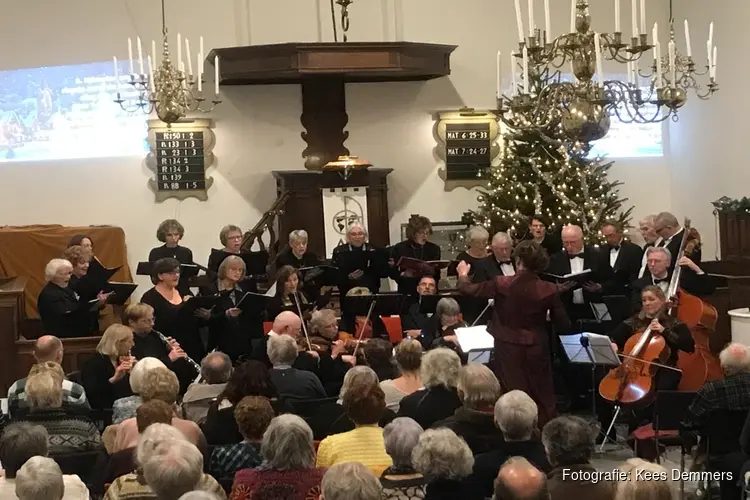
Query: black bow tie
column 616, row 247
column 504, row 262
column 576, row 256
column 662, row 280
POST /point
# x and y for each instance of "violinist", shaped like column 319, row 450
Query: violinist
column 324, row 329
column 287, row 285
column 441, row 327
column 353, row 324
column 653, row 316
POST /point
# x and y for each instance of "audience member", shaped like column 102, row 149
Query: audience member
column 364, row 404
column 569, row 443
column 350, row 481
column 518, row 479
column 199, row 495
column 292, row 384
column 124, row 408
column 253, row 415
column 288, row 464
column 216, row 368
column 18, row 443
column 401, row 481
column 445, row 460
column 40, row 478
column 378, row 354
column 474, row 422
column 47, row 349
column 634, row 489
column 105, row 376
column 408, row 360
column 439, row 398
column 251, row 378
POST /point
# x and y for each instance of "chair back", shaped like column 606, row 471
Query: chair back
column 670, row 408
column 267, row 327
column 394, row 328
column 306, row 408
column 80, row 463
column 722, row 431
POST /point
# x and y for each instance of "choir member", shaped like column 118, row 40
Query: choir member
column 538, row 233
column 354, row 324
column 80, row 258
column 62, row 314
column 624, row 259
column 416, row 246
column 440, row 330
column 646, row 228
column 287, row 286
column 414, row 320
column 82, row 240
column 231, row 237
column 356, row 245
column 499, row 262
column 670, row 231
column 296, row 254
column 170, row 232
column 519, row 324
column 693, row 279
column 106, row 375
column 146, row 343
column 166, row 299
column 476, row 246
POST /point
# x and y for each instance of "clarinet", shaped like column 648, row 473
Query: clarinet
column 164, row 339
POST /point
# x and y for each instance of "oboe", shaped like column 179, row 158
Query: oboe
column 164, row 339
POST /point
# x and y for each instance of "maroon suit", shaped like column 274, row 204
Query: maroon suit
column 519, row 325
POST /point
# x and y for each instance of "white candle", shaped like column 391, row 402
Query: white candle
column 547, row 22
column 513, row 79
column 711, row 33
column 643, row 17
column 672, row 63
column 130, row 56
column 498, row 91
column 525, row 70
column 655, row 36
column 532, row 23
column 216, row 80
column 184, row 81
column 117, row 75
column 658, row 65
column 617, row 16
column 519, row 20
column 179, row 51
column 200, row 80
column 572, row 16
column 598, row 50
column 140, row 57
column 634, row 16
column 687, row 39
column 708, row 50
column 189, row 59
column 153, row 51
column 713, row 64
column 201, row 56
column 151, row 81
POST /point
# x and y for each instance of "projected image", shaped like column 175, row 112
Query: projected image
column 64, row 112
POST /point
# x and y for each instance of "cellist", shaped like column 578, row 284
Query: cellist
column 653, row 315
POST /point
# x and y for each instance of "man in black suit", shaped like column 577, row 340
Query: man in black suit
column 499, row 263
column 623, row 259
column 648, row 233
column 668, row 228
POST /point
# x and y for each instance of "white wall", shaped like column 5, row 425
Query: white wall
column 258, row 127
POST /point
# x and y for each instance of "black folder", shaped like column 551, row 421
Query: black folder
column 386, row 304
column 580, row 278
column 121, row 292
column 374, row 258
column 255, row 262
column 320, row 275
column 191, row 305
column 94, row 280
column 252, row 302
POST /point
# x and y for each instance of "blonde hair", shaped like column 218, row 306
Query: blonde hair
column 113, row 335
column 159, row 383
column 358, row 291
column 48, row 366
column 134, row 312
column 633, row 489
column 77, row 255
column 44, row 390
column 440, row 367
column 232, row 259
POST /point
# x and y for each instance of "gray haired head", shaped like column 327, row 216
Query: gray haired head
column 350, row 481
column 516, row 415
column 199, row 495
column 568, row 440
column 441, row 454
column 400, row 438
column 288, row 444
column 216, row 368
column 478, row 387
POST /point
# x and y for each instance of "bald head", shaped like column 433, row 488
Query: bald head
column 572, row 239
column 287, row 323
column 517, row 479
column 735, row 358
column 48, row 348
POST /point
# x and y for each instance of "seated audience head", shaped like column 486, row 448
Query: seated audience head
column 517, row 479
column 530, row 256
column 170, row 232
column 48, row 348
column 287, row 323
column 231, row 237
column 116, row 341
column 232, row 269
column 666, row 225
column 48, row 366
column 538, row 227
column 251, row 378
column 358, row 291
column 199, row 495
column 364, row 401
column 652, row 301
column 81, row 240
column 447, row 310
column 516, row 415
column 350, row 481
column 139, row 317
column 159, row 383
column 324, row 324
column 153, row 412
column 173, row 469
column 632, row 488
column 613, row 232
column 288, row 444
column 79, row 258
column 441, row 454
column 357, row 376
column 58, row 271
column 440, row 367
column 419, row 229
column 478, row 387
column 18, row 443
column 356, row 235
column 427, row 286
column 282, row 350
column 153, row 436
column 646, row 228
column 400, row 437
column 40, row 478
column 502, row 247
column 735, row 359
column 658, row 260
column 409, row 356
column 572, row 239
column 298, row 242
column 139, row 371
column 44, row 390
column 568, row 440
column 216, row 368
column 253, row 414
column 378, row 354
column 166, row 272
column 477, row 238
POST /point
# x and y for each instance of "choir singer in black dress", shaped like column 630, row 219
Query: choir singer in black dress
column 80, row 257
column 296, row 254
column 476, row 246
column 170, row 232
column 538, row 233
column 355, row 263
column 231, row 237
column 416, row 246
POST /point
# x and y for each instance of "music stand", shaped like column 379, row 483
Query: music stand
column 476, row 343
column 386, row 304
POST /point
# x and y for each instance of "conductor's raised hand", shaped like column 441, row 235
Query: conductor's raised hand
column 463, row 268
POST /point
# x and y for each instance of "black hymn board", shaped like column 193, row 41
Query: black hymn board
column 467, row 150
column 180, row 161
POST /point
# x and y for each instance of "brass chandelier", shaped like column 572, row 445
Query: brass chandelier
column 171, row 90
column 583, row 105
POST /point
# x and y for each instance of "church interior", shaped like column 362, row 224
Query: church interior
column 373, row 249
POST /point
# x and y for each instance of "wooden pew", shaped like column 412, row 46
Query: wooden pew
column 75, row 353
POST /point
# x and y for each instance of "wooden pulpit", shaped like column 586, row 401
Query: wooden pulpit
column 12, row 318
column 304, row 208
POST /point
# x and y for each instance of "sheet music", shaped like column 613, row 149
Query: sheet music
column 599, row 350
column 476, row 343
column 601, row 312
column 271, row 291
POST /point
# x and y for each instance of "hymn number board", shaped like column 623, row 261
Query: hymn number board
column 180, row 160
column 467, row 149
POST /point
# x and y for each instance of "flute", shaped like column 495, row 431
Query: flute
column 190, row 360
